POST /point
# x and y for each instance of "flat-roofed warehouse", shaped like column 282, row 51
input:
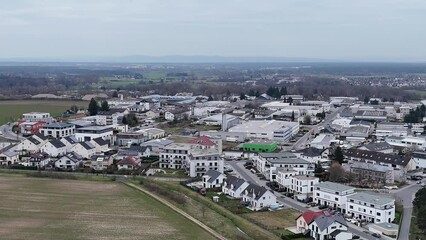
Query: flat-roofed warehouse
column 280, row 131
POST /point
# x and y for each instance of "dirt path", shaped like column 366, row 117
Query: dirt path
column 176, row 209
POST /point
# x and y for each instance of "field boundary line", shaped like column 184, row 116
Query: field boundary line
column 178, row 210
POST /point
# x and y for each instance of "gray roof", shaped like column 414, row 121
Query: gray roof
column 371, row 198
column 100, row 141
column 57, row 144
column 378, row 157
column 236, row 182
column 311, row 152
column 57, row 125
column 213, row 174
column 324, row 221
column 87, row 145
column 33, row 140
column 10, row 153
column 377, row 146
column 73, row 157
column 371, row 167
column 40, row 136
column 71, row 139
column 256, row 189
column 334, row 186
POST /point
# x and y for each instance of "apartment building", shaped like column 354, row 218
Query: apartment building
column 57, row 130
column 332, row 194
column 371, row 208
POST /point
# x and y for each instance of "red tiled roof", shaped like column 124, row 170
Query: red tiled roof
column 129, row 161
column 203, row 140
column 310, row 216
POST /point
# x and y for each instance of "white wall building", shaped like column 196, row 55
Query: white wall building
column 91, row 132
column 280, row 131
column 332, row 194
column 57, row 130
column 37, row 117
column 372, row 208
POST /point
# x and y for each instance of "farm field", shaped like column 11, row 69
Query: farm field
column 36, row 208
column 13, row 110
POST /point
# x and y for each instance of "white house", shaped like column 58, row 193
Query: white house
column 32, row 144
column 69, row 142
column 54, row 148
column 8, row 157
column 327, row 227
column 85, row 149
column 258, row 197
column 213, row 179
column 370, row 207
column 332, row 194
column 129, row 163
column 306, row 218
column 323, row 141
column 68, row 162
column 302, row 184
column 100, row 144
column 40, row 160
column 234, row 186
column 101, row 162
column 420, row 159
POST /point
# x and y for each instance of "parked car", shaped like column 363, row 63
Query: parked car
column 322, row 207
column 355, row 237
column 376, row 235
column 419, row 182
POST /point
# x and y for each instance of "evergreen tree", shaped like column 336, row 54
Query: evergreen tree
column 210, row 98
column 292, row 116
column 242, row 96
column 104, row 106
column 366, row 99
column 252, row 93
column 338, row 155
column 124, row 120
column 290, row 100
column 93, row 107
column 115, row 94
column 283, row 91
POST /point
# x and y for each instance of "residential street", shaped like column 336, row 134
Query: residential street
column 8, row 133
column 406, row 195
column 249, row 176
column 301, row 142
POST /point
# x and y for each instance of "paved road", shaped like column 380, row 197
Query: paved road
column 301, row 143
column 244, row 173
column 406, row 195
column 7, row 132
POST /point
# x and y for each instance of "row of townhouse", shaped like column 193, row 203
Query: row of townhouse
column 72, row 161
column 360, row 205
column 196, row 157
column 60, row 147
column 399, row 165
column 254, row 196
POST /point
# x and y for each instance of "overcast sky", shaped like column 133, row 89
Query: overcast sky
column 326, row 29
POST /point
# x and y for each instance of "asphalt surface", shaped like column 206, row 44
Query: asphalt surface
column 301, row 142
column 7, row 132
column 244, row 173
column 406, row 195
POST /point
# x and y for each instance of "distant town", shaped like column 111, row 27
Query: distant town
column 315, row 161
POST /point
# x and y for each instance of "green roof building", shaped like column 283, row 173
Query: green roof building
column 260, row 146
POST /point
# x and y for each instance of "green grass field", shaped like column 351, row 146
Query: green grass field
column 13, row 110
column 420, row 94
column 34, row 208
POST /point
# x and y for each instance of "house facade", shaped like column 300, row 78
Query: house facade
column 332, row 194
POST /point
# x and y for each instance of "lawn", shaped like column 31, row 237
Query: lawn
column 13, row 110
column 233, row 205
column 276, row 221
column 229, row 225
column 173, row 173
column 34, row 208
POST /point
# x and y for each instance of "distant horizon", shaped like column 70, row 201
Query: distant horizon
column 196, row 59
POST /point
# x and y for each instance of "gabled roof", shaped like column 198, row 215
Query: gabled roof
column 74, row 157
column 33, row 140
column 129, row 161
column 87, row 145
column 213, row 174
column 10, row 153
column 136, row 148
column 40, row 136
column 256, row 190
column 311, row 152
column 202, row 140
column 57, row 143
column 324, row 221
column 71, row 139
column 378, row 157
column 310, row 216
column 100, row 141
column 234, row 181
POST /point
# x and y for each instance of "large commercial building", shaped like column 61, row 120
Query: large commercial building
column 88, row 133
column 37, row 117
column 274, row 130
column 371, row 208
column 333, row 195
column 57, row 130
